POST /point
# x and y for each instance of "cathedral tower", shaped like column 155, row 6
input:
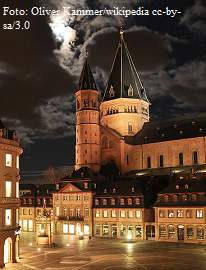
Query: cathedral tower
column 125, row 106
column 87, row 121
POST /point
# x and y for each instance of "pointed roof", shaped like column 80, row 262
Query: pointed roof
column 86, row 80
column 123, row 76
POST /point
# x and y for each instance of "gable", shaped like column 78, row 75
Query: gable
column 70, row 188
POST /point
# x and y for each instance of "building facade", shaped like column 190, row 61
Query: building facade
column 9, row 195
column 123, row 134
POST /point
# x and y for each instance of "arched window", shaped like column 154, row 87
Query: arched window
column 161, row 161
column 78, row 104
column 195, row 161
column 180, row 158
column 148, row 162
column 130, row 128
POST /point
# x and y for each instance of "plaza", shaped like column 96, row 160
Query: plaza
column 69, row 252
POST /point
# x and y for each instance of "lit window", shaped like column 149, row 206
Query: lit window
column 25, row 225
column 122, row 213
column 162, row 232
column 200, row 233
column 199, row 214
column 8, row 188
column 97, row 213
column 104, row 202
column 82, row 174
column 180, row 213
column 138, row 214
column 38, row 211
column 71, row 228
column 177, row 187
column 170, row 213
column 64, row 197
column 189, row 213
column 122, row 201
column 86, row 197
column 105, row 190
column 57, row 211
column 17, row 162
column 96, row 202
column 8, row 160
column 71, row 212
column 105, row 229
column 161, row 213
column 24, row 211
column 78, row 198
column 114, row 213
column 24, row 201
column 105, row 213
column 186, row 186
column 65, row 212
column 114, row 190
column 85, row 185
column 30, row 211
column 71, row 198
column 171, row 232
column 17, row 189
column 8, row 217
column 132, row 189
column 65, row 227
column 130, row 214
column 30, row 201
column 86, row 211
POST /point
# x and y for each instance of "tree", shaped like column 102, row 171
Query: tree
column 52, row 176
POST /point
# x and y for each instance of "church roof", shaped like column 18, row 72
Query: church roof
column 178, row 128
column 86, row 80
column 124, row 76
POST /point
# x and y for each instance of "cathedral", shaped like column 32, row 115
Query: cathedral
column 119, row 130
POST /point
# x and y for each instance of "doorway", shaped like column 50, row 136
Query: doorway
column 180, row 233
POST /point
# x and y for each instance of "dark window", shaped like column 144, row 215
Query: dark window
column 161, row 161
column 148, row 162
column 127, row 160
column 195, row 157
column 180, row 158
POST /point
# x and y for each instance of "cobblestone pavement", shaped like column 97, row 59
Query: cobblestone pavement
column 102, row 253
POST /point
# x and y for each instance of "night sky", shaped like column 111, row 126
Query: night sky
column 40, row 67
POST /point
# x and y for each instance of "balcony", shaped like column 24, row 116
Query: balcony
column 77, row 218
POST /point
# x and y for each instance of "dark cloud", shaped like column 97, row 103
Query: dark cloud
column 30, row 73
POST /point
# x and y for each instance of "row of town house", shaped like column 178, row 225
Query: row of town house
column 88, row 203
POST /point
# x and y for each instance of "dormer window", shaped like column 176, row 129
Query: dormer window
column 194, row 197
column 57, row 186
column 122, row 201
column 85, row 185
column 96, row 202
column 166, row 198
column 130, row 91
column 38, row 201
column 82, row 174
column 186, row 186
column 112, row 201
column 184, row 197
column 137, row 201
column 104, row 202
column 175, row 198
column 24, row 201
column 132, row 189
column 105, row 190
column 111, row 91
column 70, row 175
column 177, row 187
column 114, row 190
column 129, row 201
